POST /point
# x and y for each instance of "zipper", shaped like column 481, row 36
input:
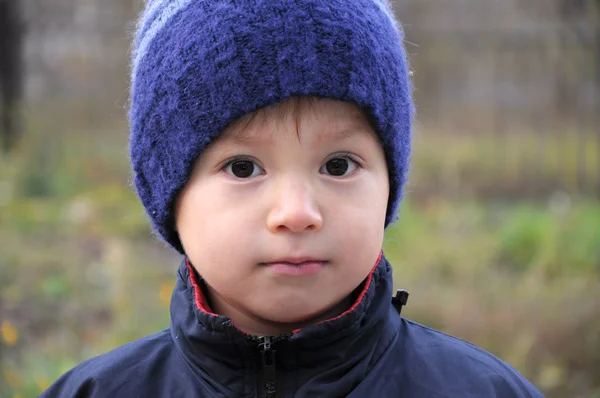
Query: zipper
column 269, row 370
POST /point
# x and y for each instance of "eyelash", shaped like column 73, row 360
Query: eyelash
column 344, row 155
column 237, row 159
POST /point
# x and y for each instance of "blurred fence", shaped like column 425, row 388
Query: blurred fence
column 513, row 85
column 521, row 80
column 77, row 51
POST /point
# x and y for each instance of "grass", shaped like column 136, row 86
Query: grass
column 80, row 272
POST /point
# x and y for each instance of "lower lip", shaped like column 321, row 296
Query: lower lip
column 302, row 269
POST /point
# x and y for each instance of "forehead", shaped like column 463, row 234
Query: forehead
column 328, row 119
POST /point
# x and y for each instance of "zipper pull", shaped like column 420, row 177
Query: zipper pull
column 268, row 363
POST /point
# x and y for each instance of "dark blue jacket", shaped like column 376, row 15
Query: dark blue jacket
column 369, row 351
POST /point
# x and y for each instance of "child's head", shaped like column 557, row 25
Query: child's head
column 266, row 130
column 304, row 180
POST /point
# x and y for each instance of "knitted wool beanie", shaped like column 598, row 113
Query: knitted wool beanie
column 198, row 65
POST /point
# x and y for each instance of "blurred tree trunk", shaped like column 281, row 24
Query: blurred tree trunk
column 11, row 70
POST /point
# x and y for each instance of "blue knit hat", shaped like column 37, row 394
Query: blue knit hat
column 198, row 65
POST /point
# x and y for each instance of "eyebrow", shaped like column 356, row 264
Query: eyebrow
column 248, row 136
column 245, row 135
column 346, row 133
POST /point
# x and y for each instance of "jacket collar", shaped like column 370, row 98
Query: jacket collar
column 215, row 350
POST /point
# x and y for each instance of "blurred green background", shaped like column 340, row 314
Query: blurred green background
column 499, row 236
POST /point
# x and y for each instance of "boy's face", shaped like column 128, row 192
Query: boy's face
column 284, row 214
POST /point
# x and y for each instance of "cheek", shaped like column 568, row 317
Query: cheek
column 362, row 206
column 211, row 227
column 213, row 247
column 361, row 238
column 359, row 218
column 358, row 226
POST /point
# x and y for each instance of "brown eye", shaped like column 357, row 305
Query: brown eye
column 339, row 167
column 243, row 168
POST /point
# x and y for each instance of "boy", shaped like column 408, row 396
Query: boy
column 270, row 143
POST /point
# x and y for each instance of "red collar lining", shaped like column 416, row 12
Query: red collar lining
column 201, row 301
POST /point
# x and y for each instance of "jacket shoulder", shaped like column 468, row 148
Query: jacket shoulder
column 115, row 372
column 439, row 359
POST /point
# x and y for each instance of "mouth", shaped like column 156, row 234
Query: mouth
column 297, row 266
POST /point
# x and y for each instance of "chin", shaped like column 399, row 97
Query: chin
column 300, row 313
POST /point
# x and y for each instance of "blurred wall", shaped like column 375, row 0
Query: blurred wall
column 78, row 50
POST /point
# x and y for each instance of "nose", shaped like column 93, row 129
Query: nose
column 294, row 208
